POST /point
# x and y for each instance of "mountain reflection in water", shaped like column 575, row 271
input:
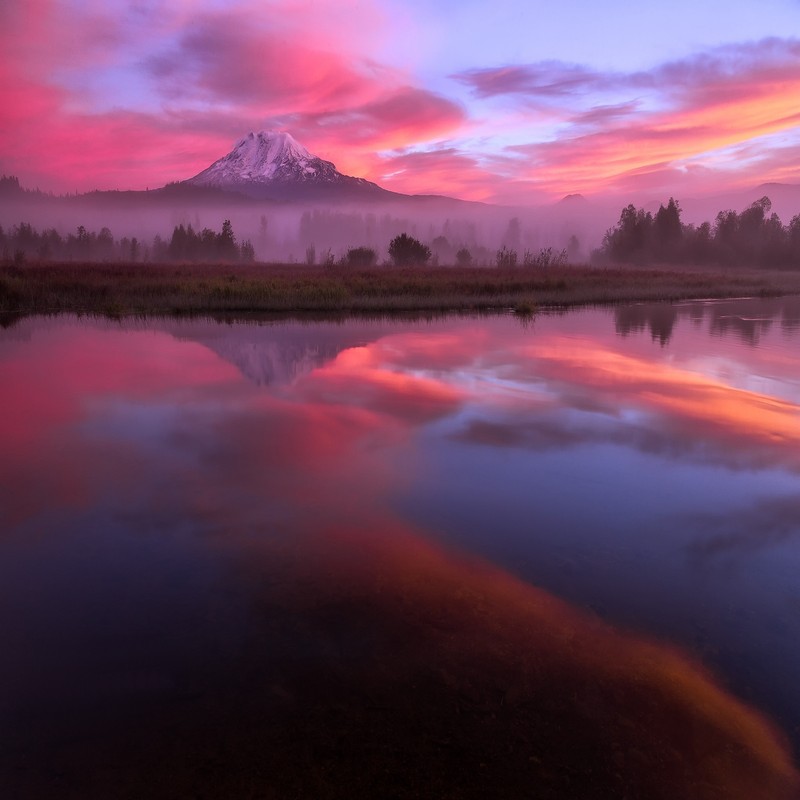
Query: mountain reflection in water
column 396, row 559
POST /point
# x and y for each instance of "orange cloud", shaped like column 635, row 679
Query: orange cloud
column 705, row 409
column 363, row 377
column 600, row 160
column 661, row 127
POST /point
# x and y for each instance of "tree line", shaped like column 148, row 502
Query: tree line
column 23, row 242
column 754, row 237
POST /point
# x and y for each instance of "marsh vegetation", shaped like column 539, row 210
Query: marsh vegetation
column 120, row 289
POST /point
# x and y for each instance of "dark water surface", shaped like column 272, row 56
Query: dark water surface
column 462, row 558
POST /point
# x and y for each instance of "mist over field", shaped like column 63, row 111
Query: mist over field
column 284, row 231
column 293, row 231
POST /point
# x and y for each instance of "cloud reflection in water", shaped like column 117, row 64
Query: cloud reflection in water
column 282, row 625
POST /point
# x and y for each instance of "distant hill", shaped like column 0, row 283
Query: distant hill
column 785, row 198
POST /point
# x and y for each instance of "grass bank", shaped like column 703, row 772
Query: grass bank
column 151, row 289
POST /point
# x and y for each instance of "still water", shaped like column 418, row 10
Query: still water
column 467, row 557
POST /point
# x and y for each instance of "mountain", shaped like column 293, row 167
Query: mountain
column 572, row 200
column 271, row 165
column 785, row 198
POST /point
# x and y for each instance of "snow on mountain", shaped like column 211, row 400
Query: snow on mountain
column 274, row 164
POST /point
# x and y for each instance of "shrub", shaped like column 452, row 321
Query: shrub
column 506, row 258
column 361, row 257
column 404, row 250
column 546, row 257
column 464, row 257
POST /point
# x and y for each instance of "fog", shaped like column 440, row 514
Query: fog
column 288, row 231
column 324, row 231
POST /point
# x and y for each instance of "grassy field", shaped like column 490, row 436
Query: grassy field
column 150, row 289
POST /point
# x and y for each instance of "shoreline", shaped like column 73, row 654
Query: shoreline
column 119, row 290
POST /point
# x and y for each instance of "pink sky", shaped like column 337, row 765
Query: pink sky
column 502, row 102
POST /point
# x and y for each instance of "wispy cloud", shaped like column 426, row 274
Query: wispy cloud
column 546, row 79
column 112, row 94
column 665, row 124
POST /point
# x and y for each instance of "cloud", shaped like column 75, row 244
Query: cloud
column 192, row 83
column 702, row 73
column 603, row 114
column 665, row 127
column 442, row 168
column 671, row 410
column 226, row 58
column 545, row 79
column 142, row 94
column 352, row 136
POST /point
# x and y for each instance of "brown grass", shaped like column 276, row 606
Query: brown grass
column 123, row 289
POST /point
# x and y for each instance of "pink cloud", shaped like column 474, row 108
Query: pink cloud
column 391, row 120
column 188, row 82
column 699, row 108
column 291, row 66
column 227, row 59
column 448, row 169
column 353, row 137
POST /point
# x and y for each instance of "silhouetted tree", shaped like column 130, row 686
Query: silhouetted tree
column 226, row 243
column 753, row 237
column 247, row 252
column 793, row 236
column 726, row 228
column 667, row 231
column 9, row 185
column 404, row 250
column 442, row 251
column 698, row 244
column 177, row 244
column 159, row 252
column 512, row 237
column 629, row 240
column 104, row 245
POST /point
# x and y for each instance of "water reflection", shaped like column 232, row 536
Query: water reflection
column 327, row 560
column 769, row 521
column 658, row 318
column 657, row 407
column 747, row 318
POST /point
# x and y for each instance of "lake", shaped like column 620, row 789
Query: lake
column 486, row 556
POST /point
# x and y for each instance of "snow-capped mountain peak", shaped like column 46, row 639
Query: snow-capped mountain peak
column 274, row 165
column 267, row 157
